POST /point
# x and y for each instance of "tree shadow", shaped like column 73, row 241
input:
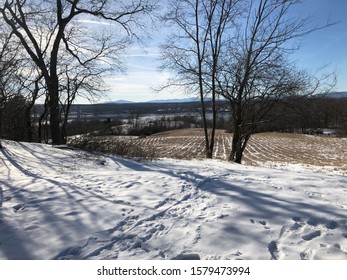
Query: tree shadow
column 131, row 164
column 258, row 204
column 17, row 250
column 30, row 199
column 261, row 205
column 9, row 158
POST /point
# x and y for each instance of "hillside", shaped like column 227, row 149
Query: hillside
column 67, row 204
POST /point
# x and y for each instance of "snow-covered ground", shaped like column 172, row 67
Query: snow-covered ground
column 67, row 204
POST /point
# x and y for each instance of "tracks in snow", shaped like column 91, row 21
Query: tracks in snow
column 139, row 232
column 313, row 234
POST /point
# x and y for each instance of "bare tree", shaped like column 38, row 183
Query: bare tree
column 85, row 76
column 19, row 77
column 256, row 70
column 44, row 28
column 193, row 49
column 8, row 65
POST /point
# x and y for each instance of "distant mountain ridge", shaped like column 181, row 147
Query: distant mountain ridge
column 176, row 100
column 341, row 94
column 118, row 102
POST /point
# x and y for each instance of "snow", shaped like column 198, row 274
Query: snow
column 58, row 203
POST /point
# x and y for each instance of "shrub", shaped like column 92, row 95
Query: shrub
column 125, row 148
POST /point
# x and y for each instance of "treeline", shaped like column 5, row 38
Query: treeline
column 299, row 116
column 309, row 116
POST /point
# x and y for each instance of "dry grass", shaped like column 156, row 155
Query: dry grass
column 327, row 154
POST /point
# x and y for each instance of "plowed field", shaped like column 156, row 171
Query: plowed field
column 277, row 150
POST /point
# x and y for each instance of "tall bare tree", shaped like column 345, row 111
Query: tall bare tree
column 200, row 29
column 43, row 28
column 256, row 70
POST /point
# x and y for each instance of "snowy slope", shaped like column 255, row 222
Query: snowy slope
column 65, row 204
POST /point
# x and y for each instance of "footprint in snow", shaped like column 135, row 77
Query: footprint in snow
column 160, row 227
column 186, row 256
column 265, row 224
column 329, row 224
column 297, row 219
column 296, row 226
column 237, row 253
column 72, row 213
column 222, row 216
column 332, row 225
column 306, row 255
column 312, row 235
column 273, row 249
column 18, row 207
column 9, row 198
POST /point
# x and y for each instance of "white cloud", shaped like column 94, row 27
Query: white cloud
column 96, row 22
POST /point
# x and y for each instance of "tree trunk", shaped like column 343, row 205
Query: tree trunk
column 64, row 133
column 214, row 120
column 29, row 132
column 239, row 151
column 42, row 117
column 65, row 122
column 53, row 103
column 239, row 143
column 235, row 144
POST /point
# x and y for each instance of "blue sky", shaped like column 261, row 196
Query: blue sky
column 326, row 47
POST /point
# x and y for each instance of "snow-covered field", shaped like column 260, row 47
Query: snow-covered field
column 67, row 204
